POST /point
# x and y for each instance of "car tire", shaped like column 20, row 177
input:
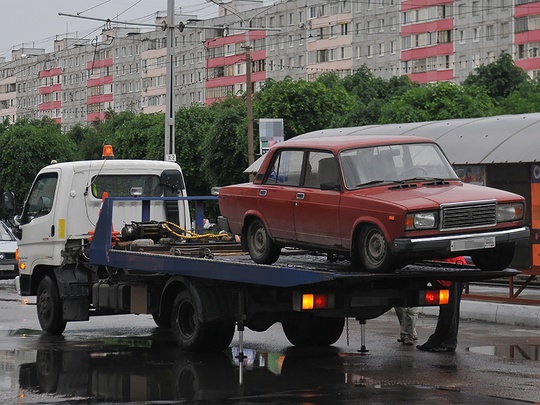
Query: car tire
column 373, row 252
column 261, row 247
column 49, row 307
column 495, row 259
column 308, row 330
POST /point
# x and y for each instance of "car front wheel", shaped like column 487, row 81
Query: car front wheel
column 374, row 254
column 495, row 259
column 261, row 247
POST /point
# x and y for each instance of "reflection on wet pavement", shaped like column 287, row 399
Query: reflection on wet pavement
column 139, row 369
column 521, row 352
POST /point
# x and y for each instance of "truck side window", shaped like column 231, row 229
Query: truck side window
column 41, row 197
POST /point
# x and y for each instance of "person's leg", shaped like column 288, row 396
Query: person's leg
column 407, row 317
column 444, row 338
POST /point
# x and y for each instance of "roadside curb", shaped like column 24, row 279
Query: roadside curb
column 509, row 314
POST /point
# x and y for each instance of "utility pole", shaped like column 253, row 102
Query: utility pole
column 249, row 104
column 170, row 154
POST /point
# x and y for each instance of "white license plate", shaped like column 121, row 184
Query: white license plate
column 7, row 267
column 483, row 242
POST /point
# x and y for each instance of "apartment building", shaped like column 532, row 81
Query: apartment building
column 125, row 69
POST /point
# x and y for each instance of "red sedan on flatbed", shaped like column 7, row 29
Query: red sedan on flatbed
column 380, row 201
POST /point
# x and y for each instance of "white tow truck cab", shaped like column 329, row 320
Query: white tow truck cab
column 61, row 210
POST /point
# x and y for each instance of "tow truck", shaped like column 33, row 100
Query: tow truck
column 110, row 236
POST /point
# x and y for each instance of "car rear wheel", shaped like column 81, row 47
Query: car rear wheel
column 495, row 259
column 304, row 329
column 261, row 247
column 374, row 254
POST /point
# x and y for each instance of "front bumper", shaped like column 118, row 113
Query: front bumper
column 446, row 245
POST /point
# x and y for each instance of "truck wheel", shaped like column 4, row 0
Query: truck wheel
column 49, row 307
column 192, row 334
column 260, row 246
column 374, row 255
column 495, row 259
column 302, row 329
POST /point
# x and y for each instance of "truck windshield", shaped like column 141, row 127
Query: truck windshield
column 122, row 185
column 394, row 163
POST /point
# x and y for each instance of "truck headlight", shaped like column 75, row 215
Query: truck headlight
column 509, row 212
column 421, row 220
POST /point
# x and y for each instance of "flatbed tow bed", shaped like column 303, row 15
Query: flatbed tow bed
column 224, row 261
column 203, row 291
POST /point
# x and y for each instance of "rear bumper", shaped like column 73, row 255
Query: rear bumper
column 443, row 244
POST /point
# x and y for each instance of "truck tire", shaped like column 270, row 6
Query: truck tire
column 192, row 334
column 495, row 259
column 304, row 330
column 49, row 307
column 373, row 252
column 261, row 247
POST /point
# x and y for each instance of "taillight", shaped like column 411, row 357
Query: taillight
column 434, row 297
column 310, row 301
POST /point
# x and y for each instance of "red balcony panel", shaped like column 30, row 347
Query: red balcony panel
column 50, row 72
column 414, row 4
column 96, row 64
column 102, row 98
column 232, row 80
column 51, row 105
column 58, row 120
column 524, row 10
column 528, row 64
column 432, row 26
column 225, row 60
column 99, row 81
column 95, row 117
column 527, row 37
column 434, row 76
column 422, row 53
column 234, row 39
column 50, row 89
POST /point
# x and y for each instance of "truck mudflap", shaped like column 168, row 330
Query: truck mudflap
column 74, row 292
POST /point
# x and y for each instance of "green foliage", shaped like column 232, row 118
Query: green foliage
column 304, row 106
column 524, row 99
column 25, row 148
column 438, row 101
column 500, row 78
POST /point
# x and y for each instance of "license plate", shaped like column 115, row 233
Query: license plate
column 483, row 242
column 7, row 267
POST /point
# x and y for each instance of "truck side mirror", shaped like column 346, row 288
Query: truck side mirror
column 9, row 200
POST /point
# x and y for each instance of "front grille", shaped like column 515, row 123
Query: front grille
column 7, row 256
column 469, row 215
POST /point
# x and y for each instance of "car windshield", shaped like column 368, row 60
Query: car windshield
column 5, row 234
column 394, row 163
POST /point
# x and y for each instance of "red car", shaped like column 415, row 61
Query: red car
column 380, row 201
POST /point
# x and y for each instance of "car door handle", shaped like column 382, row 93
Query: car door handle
column 262, row 193
column 300, row 196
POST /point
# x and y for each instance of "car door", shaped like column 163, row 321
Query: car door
column 316, row 208
column 277, row 194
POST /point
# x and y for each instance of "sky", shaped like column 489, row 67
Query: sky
column 36, row 23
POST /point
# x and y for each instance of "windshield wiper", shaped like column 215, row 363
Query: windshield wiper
column 372, row 182
column 424, row 178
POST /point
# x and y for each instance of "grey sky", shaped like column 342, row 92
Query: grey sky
column 36, row 23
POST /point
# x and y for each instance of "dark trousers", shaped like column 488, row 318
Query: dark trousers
column 446, row 332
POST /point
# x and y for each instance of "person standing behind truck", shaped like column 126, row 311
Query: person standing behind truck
column 444, row 339
column 407, row 317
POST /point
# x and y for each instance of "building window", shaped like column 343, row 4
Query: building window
column 490, row 32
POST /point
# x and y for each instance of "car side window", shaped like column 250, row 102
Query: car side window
column 286, row 168
column 321, row 168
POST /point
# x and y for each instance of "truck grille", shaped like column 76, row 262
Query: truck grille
column 469, row 216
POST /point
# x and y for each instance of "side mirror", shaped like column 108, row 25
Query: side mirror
column 9, row 200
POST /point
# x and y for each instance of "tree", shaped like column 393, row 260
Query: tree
column 524, row 99
column 499, row 78
column 304, row 106
column 438, row 101
column 25, row 148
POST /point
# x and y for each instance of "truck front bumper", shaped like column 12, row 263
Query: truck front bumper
column 459, row 244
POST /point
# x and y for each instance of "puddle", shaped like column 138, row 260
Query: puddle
column 518, row 352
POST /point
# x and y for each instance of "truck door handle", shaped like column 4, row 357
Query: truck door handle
column 262, row 193
column 300, row 196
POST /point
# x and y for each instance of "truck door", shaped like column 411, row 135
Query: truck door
column 38, row 229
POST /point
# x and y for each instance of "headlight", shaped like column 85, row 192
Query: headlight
column 421, row 220
column 509, row 212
